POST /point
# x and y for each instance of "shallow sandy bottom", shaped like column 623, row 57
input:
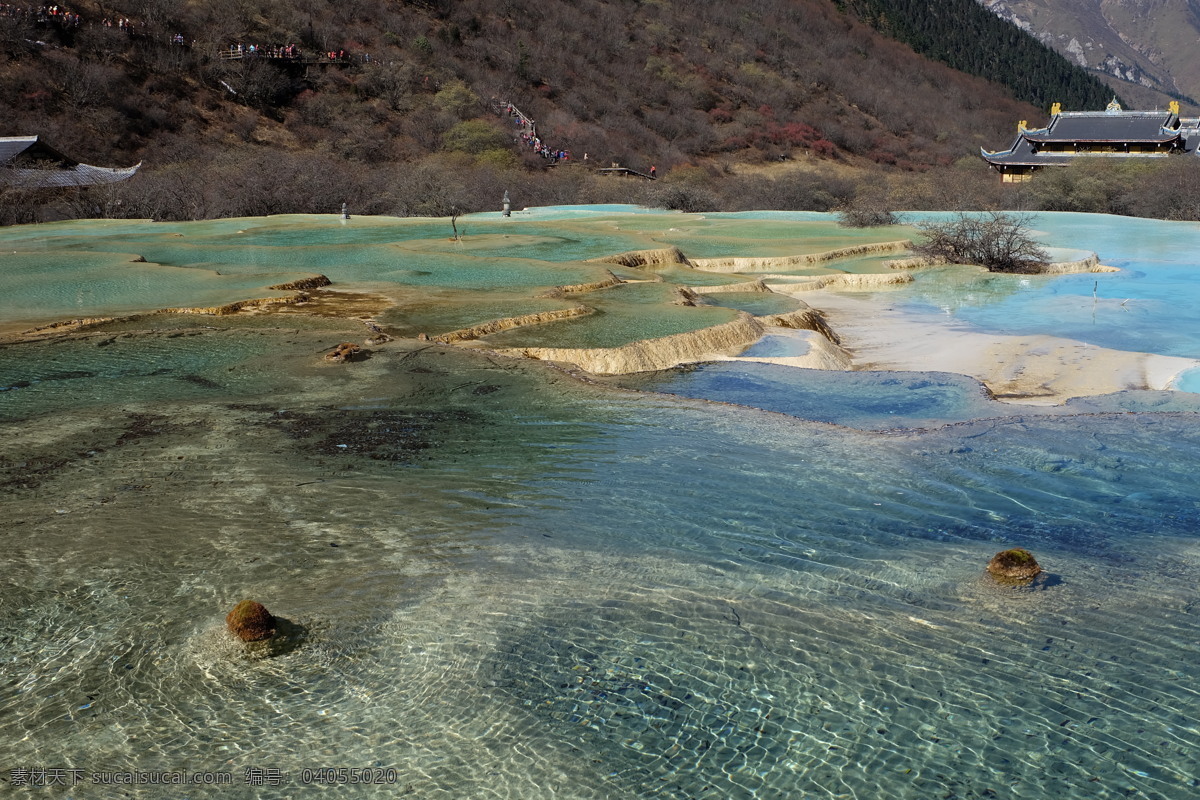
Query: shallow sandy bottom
column 1042, row 370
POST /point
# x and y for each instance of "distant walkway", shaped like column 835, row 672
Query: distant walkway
column 59, row 16
column 529, row 135
column 289, row 53
column 530, row 138
column 617, row 169
column 63, row 17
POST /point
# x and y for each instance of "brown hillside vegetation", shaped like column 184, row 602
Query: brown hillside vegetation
column 388, row 105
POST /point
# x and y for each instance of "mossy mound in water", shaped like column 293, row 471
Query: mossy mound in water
column 346, row 351
column 250, row 621
column 1015, row 566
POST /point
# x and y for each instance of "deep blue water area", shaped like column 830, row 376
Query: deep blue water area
column 865, row 400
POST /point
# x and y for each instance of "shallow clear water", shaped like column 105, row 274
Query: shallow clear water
column 506, row 583
column 624, row 314
column 1148, row 306
column 754, row 303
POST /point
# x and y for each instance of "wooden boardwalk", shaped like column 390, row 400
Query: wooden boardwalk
column 626, row 172
column 526, row 124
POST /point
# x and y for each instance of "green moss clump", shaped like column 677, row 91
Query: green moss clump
column 1015, row 565
column 250, row 621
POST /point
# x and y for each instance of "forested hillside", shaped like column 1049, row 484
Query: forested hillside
column 1146, row 49
column 964, row 35
column 242, row 107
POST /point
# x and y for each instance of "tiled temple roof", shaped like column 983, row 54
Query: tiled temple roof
column 26, row 162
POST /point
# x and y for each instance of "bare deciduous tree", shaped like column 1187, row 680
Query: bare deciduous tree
column 866, row 210
column 999, row 241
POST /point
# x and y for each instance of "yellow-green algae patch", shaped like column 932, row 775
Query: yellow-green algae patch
column 771, row 238
column 412, row 277
column 483, row 244
column 48, row 285
column 687, row 276
column 438, row 311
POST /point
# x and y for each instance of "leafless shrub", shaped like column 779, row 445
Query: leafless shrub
column 996, row 240
column 866, row 211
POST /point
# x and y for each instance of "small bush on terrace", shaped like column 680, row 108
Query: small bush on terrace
column 996, row 240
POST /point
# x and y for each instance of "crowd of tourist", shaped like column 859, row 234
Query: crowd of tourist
column 290, row 52
column 123, row 23
column 63, row 17
column 529, row 136
column 46, row 15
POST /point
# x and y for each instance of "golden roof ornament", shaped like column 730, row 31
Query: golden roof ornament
column 1056, row 109
column 1113, row 107
column 1173, row 107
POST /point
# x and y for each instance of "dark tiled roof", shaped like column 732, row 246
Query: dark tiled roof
column 28, row 163
column 13, row 146
column 1108, row 126
column 1134, row 127
column 1021, row 154
column 79, row 175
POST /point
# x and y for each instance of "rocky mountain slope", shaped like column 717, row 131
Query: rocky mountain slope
column 239, row 108
column 1146, row 49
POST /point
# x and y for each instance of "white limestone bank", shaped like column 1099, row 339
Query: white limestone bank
column 1089, row 264
column 654, row 354
column 509, row 323
column 1031, row 369
column 583, row 288
column 637, row 259
column 846, row 281
column 1033, row 381
column 775, row 263
column 915, row 262
column 717, row 343
column 748, row 286
column 804, row 319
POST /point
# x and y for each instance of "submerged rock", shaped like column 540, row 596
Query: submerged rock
column 250, row 621
column 346, row 351
column 1014, row 566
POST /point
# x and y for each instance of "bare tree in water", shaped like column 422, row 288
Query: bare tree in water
column 999, row 241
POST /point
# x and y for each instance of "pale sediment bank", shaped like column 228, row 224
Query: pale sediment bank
column 581, row 288
column 748, row 286
column 1038, row 369
column 654, row 354
column 1089, row 264
column 846, row 281
column 311, row 282
column 318, row 303
column 663, row 256
column 66, row 327
column 915, row 262
column 509, row 323
column 776, row 263
column 717, row 343
column 822, row 354
column 235, row 307
column 804, row 319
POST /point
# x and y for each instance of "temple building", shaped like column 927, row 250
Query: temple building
column 26, row 162
column 1112, row 133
